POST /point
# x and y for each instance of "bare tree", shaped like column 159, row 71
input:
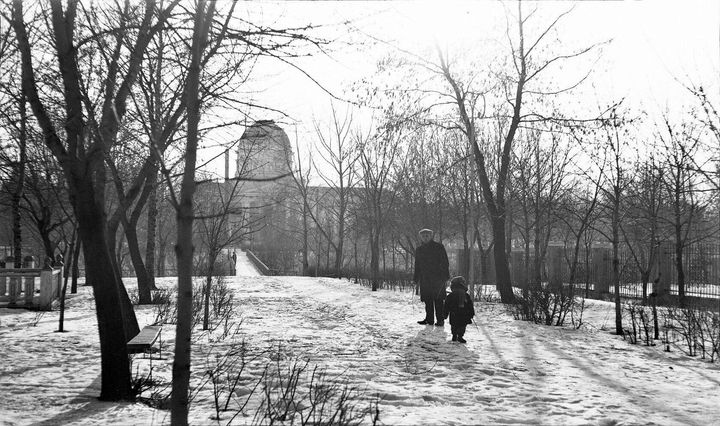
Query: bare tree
column 301, row 178
column 217, row 208
column 461, row 187
column 614, row 142
column 378, row 153
column 336, row 150
column 681, row 182
column 81, row 146
column 578, row 215
column 519, row 89
column 202, row 25
column 641, row 230
column 419, row 185
column 541, row 184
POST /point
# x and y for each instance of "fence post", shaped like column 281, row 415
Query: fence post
column 29, row 262
column 601, row 262
column 46, row 285
column 13, row 283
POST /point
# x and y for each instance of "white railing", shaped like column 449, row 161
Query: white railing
column 18, row 287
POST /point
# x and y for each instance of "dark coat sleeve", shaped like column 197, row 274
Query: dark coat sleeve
column 444, row 263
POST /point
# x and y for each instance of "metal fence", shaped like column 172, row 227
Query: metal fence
column 593, row 271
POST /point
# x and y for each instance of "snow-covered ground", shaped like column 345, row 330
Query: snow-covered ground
column 509, row 372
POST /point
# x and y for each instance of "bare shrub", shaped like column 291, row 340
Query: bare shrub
column 222, row 305
column 148, row 389
column 395, row 283
column 547, row 304
column 37, row 317
column 486, row 293
column 694, row 330
column 286, row 390
column 576, row 314
column 642, row 329
column 292, row 392
column 159, row 296
column 224, row 372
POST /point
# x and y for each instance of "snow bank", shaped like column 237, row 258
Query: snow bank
column 508, row 372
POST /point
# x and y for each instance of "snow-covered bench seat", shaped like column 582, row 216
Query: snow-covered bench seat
column 145, row 339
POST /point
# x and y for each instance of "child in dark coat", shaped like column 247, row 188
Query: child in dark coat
column 459, row 306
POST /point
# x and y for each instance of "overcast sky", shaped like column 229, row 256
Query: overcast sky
column 652, row 44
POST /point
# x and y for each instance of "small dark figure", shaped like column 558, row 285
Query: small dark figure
column 459, row 306
column 431, row 274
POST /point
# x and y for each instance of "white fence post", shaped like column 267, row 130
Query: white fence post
column 46, row 285
column 29, row 262
column 61, row 268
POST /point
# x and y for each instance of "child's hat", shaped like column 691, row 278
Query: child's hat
column 458, row 281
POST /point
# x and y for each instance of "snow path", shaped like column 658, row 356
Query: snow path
column 244, row 267
column 509, row 372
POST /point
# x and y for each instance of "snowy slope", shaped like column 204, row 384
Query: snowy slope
column 508, row 372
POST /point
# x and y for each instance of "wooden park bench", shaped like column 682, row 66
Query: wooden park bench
column 145, row 339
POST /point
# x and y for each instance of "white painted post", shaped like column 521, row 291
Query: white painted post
column 46, row 285
column 29, row 262
column 14, row 285
column 60, row 268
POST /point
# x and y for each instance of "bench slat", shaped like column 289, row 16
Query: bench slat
column 147, row 336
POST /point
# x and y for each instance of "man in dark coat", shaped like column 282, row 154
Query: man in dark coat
column 431, row 273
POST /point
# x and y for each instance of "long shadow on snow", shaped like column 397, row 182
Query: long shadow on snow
column 625, row 392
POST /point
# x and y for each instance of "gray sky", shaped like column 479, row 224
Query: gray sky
column 652, row 44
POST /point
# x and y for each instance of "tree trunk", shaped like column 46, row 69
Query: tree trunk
column 339, row 248
column 206, row 299
column 20, row 184
column 75, row 265
column 115, row 368
column 152, row 214
column 161, row 259
column 46, row 241
column 616, row 261
column 144, row 293
column 375, row 259
column 306, row 245
column 680, row 272
column 183, row 330
column 503, row 281
column 180, row 404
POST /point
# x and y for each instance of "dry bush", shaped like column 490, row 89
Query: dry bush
column 291, row 392
column 641, row 323
column 485, row 293
column 282, row 389
column 694, row 330
column 547, row 304
column 222, row 305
